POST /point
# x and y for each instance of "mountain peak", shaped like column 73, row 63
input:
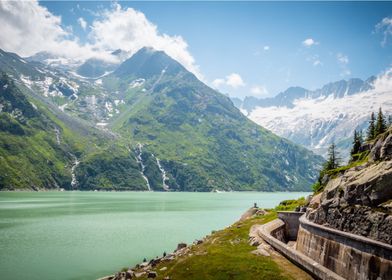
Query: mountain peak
column 148, row 62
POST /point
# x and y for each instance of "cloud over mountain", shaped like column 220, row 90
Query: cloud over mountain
column 28, row 28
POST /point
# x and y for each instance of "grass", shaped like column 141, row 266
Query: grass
column 226, row 254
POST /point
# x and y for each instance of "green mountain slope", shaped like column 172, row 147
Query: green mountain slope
column 38, row 149
column 150, row 125
column 203, row 141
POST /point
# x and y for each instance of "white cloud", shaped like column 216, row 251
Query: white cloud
column 315, row 60
column 343, row 64
column 130, row 30
column 28, row 28
column 385, row 27
column 383, row 82
column 342, row 59
column 82, row 23
column 266, row 48
column 218, row 82
column 233, row 80
column 309, row 42
column 259, row 91
column 317, row 63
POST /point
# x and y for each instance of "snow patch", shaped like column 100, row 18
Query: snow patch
column 137, row 83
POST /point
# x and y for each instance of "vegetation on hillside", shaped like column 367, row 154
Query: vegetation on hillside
column 359, row 151
column 38, row 150
column 202, row 141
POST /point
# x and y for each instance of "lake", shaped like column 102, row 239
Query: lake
column 87, row 235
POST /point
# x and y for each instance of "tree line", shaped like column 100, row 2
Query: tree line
column 377, row 126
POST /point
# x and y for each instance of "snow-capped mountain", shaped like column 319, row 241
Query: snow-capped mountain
column 317, row 118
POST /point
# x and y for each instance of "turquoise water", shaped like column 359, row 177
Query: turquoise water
column 86, row 235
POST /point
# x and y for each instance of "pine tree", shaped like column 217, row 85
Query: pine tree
column 380, row 126
column 333, row 159
column 371, row 128
column 357, row 142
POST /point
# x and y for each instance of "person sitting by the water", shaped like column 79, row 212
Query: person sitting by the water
column 255, row 205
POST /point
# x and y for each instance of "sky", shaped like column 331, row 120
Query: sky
column 239, row 48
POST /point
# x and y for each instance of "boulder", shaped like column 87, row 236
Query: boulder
column 315, row 201
column 386, row 148
column 376, row 150
column 249, row 213
column 198, row 242
column 152, row 274
column 181, row 246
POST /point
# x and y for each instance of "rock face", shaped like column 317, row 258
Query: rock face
column 358, row 200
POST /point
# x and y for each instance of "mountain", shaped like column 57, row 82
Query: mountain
column 151, row 124
column 316, row 118
column 95, row 67
column 42, row 147
column 203, row 141
column 286, row 98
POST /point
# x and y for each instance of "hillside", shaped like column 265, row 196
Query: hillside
column 151, row 124
column 203, row 142
column 39, row 150
column 358, row 198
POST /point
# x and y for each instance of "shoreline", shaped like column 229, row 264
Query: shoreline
column 135, row 191
column 183, row 262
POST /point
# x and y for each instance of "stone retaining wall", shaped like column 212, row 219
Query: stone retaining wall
column 291, row 220
column 276, row 227
column 351, row 256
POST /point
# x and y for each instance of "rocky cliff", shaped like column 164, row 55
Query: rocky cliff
column 359, row 200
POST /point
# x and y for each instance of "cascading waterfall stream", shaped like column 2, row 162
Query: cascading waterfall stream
column 163, row 172
column 57, row 132
column 140, row 161
column 74, row 181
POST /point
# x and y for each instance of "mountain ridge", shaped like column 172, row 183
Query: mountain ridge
column 315, row 119
column 190, row 137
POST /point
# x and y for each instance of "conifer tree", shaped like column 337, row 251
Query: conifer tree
column 357, row 142
column 380, row 126
column 333, row 159
column 371, row 128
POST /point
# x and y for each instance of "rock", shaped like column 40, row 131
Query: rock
column 139, row 274
column 166, row 278
column 163, row 268
column 180, row 246
column 169, row 257
column 198, row 242
column 129, row 274
column 260, row 251
column 261, row 212
column 315, row 201
column 152, row 274
column 155, row 261
column 249, row 213
column 376, row 150
column 254, row 242
column 386, row 148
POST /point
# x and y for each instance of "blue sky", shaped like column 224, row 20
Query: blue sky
column 259, row 48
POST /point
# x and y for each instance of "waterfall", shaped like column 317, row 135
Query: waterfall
column 163, row 172
column 57, row 132
column 74, row 181
column 140, row 161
